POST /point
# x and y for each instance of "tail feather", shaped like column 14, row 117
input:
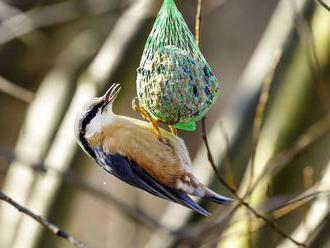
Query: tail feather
column 185, row 200
column 191, row 185
column 210, row 195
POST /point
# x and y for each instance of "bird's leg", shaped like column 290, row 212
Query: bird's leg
column 138, row 108
column 173, row 130
column 171, row 126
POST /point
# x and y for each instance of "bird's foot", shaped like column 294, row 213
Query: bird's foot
column 171, row 125
column 157, row 130
column 138, row 108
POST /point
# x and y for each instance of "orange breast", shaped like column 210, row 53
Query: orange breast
column 140, row 144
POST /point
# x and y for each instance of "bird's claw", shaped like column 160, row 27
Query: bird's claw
column 138, row 108
column 171, row 125
column 173, row 130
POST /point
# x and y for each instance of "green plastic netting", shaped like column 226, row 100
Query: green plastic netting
column 174, row 81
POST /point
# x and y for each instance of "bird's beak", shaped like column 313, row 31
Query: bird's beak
column 111, row 93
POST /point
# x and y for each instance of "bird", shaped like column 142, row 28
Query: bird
column 128, row 149
column 175, row 84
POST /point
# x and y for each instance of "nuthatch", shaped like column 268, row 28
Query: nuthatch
column 128, row 149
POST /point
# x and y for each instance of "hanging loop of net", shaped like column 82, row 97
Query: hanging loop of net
column 174, row 81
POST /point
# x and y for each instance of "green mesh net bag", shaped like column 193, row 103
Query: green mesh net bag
column 175, row 84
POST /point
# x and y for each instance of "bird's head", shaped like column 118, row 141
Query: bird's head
column 95, row 114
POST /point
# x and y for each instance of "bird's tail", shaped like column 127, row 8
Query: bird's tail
column 210, row 195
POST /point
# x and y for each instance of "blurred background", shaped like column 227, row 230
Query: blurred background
column 269, row 132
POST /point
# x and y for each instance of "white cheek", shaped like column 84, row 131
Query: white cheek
column 94, row 126
column 97, row 123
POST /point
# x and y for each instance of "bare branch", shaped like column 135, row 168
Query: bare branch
column 45, row 223
column 228, row 161
column 280, row 211
column 277, row 208
column 240, row 200
column 257, row 124
column 198, row 22
column 70, row 177
column 323, row 4
column 318, row 212
column 297, row 203
column 314, row 133
column 211, row 160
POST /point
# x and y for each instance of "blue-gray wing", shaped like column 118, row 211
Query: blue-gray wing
column 129, row 172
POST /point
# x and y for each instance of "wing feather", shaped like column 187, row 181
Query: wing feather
column 165, row 162
column 131, row 173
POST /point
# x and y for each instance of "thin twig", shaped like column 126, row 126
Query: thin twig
column 240, row 200
column 198, row 22
column 70, row 177
column 302, row 198
column 323, row 4
column 318, row 212
column 314, row 231
column 297, row 203
column 257, row 124
column 211, row 160
column 314, row 133
column 280, row 211
column 45, row 223
column 276, row 212
column 228, row 161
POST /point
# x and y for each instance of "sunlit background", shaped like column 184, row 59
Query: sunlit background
column 54, row 55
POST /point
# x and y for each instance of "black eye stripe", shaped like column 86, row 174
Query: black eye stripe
column 85, row 121
column 89, row 116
